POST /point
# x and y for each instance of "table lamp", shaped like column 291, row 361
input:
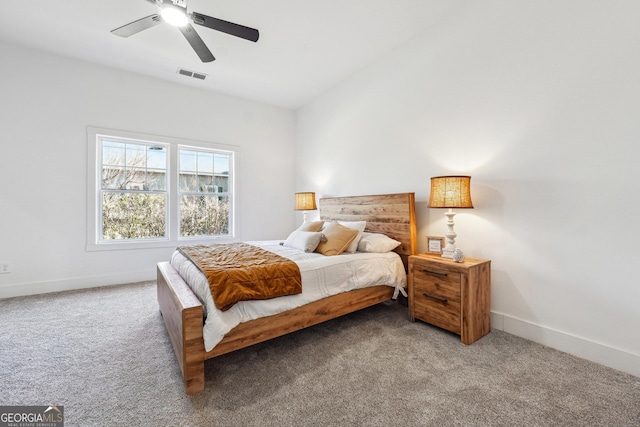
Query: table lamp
column 450, row 192
column 305, row 202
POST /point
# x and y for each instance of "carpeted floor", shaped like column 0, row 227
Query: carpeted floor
column 105, row 356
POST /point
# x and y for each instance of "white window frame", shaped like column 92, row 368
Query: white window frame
column 172, row 239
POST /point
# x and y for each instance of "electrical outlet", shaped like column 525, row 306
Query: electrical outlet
column 5, row 268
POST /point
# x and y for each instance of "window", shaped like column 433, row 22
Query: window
column 204, row 193
column 149, row 191
column 133, row 192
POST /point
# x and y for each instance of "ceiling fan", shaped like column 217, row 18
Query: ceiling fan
column 174, row 12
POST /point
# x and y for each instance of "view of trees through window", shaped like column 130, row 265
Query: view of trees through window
column 204, row 188
column 135, row 193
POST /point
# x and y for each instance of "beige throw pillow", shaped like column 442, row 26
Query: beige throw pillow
column 338, row 238
column 311, row 226
column 356, row 225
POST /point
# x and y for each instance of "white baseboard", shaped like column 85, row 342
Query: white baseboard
column 23, row 289
column 577, row 346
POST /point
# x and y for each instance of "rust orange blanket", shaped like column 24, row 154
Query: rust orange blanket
column 241, row 272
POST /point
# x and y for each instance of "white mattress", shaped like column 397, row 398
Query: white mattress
column 322, row 276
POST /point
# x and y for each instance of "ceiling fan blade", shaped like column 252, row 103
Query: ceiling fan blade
column 226, row 27
column 137, row 26
column 196, row 43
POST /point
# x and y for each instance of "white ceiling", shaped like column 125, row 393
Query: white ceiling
column 305, row 47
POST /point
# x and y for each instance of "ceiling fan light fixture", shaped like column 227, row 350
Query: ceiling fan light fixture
column 174, row 15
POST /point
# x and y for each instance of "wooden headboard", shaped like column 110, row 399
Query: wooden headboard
column 390, row 214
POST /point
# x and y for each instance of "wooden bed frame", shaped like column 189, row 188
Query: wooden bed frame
column 390, row 214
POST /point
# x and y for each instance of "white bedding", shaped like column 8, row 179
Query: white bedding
column 322, row 276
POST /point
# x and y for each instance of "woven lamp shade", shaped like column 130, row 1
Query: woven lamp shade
column 305, row 201
column 450, row 192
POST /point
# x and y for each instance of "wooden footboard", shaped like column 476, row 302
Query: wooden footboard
column 183, row 316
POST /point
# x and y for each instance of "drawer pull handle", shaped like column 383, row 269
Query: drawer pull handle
column 434, row 272
column 442, row 300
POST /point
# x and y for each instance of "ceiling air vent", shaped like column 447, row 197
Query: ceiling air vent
column 193, row 74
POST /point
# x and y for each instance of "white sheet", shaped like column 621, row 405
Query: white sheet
column 322, row 276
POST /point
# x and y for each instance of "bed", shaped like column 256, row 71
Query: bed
column 183, row 312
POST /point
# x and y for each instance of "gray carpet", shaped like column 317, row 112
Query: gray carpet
column 105, row 356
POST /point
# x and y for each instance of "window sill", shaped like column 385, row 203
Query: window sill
column 155, row 244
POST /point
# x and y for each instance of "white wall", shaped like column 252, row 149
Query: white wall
column 538, row 102
column 46, row 104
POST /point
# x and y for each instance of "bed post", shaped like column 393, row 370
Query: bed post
column 183, row 316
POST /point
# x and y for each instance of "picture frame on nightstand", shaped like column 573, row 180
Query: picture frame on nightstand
column 435, row 244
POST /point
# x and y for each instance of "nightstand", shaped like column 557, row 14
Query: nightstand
column 451, row 295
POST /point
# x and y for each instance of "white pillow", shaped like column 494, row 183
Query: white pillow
column 378, row 243
column 355, row 225
column 306, row 241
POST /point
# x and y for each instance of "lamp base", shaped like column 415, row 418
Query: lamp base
column 451, row 235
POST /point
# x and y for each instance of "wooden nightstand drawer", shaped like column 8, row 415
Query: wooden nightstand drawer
column 441, row 312
column 436, row 282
